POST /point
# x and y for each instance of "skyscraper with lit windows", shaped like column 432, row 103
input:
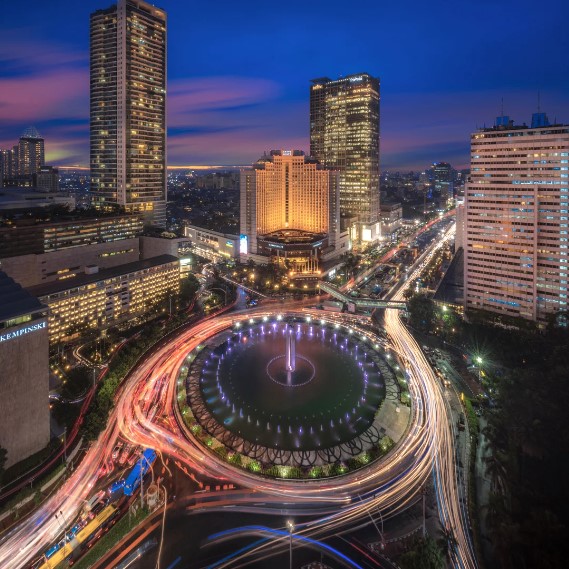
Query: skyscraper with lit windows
column 344, row 135
column 128, row 109
column 443, row 175
column 516, row 237
column 31, row 153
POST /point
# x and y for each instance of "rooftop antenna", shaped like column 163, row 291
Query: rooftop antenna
column 502, row 108
column 538, row 101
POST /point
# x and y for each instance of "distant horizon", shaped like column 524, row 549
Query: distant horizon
column 237, row 166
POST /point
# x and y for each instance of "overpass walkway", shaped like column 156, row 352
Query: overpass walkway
column 364, row 303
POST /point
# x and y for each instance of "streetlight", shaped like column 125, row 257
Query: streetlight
column 479, row 361
column 290, row 526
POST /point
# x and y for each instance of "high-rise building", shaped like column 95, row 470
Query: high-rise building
column 517, row 220
column 31, row 153
column 24, row 382
column 8, row 166
column 443, row 175
column 344, row 135
column 128, row 109
column 46, row 179
column 290, row 211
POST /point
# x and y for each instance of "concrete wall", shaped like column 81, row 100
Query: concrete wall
column 24, row 392
column 31, row 270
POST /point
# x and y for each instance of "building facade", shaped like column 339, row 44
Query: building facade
column 24, row 237
column 290, row 211
column 517, row 220
column 128, row 109
column 391, row 215
column 46, row 179
column 31, row 153
column 344, row 136
column 27, row 199
column 8, row 166
column 24, row 381
column 100, row 299
column 212, row 245
column 169, row 244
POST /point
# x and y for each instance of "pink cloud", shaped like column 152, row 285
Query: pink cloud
column 240, row 147
column 62, row 94
column 190, row 98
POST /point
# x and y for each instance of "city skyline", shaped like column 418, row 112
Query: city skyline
column 224, row 103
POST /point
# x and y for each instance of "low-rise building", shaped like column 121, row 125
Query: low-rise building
column 168, row 244
column 100, row 299
column 18, row 199
column 24, row 381
column 391, row 214
column 33, row 252
column 64, row 264
column 212, row 245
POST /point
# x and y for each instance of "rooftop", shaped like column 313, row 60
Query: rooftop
column 84, row 279
column 16, row 301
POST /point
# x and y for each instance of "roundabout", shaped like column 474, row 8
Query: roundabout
column 289, row 391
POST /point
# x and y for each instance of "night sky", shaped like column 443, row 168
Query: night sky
column 239, row 72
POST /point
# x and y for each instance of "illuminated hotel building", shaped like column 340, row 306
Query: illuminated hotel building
column 100, row 299
column 517, row 219
column 24, row 381
column 128, row 108
column 344, row 135
column 290, row 211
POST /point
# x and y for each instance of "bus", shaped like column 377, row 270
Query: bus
column 138, row 471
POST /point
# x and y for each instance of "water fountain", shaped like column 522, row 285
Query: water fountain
column 290, row 384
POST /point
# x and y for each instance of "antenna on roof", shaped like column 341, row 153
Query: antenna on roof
column 538, row 101
column 502, row 108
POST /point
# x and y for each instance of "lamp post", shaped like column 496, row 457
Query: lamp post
column 479, row 361
column 290, row 526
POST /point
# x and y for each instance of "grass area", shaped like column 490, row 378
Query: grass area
column 111, row 538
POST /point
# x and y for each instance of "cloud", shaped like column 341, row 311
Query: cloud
column 45, row 84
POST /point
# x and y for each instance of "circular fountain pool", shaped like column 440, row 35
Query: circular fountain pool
column 289, row 391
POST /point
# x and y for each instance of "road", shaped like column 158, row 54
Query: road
column 146, row 413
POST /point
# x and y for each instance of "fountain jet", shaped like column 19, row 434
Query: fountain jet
column 290, row 352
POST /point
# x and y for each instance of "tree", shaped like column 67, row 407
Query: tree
column 188, row 288
column 421, row 312
column 426, row 554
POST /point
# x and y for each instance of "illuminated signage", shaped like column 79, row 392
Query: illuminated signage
column 22, row 331
column 317, row 244
column 229, row 243
column 276, row 246
column 243, row 244
column 287, row 152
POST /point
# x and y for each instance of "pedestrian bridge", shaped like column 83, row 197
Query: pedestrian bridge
column 363, row 303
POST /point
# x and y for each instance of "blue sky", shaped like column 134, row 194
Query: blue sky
column 239, row 72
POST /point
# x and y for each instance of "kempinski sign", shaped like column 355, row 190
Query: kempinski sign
column 22, row 331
